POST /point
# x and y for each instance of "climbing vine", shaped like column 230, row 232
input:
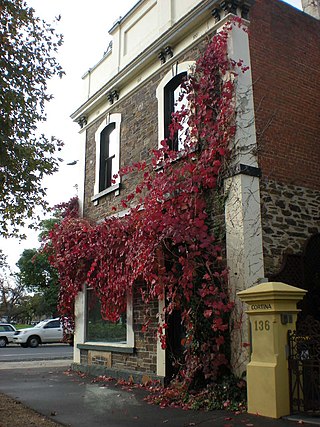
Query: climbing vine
column 166, row 241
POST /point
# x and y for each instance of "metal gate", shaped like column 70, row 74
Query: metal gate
column 304, row 367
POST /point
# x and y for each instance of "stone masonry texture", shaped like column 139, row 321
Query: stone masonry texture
column 290, row 215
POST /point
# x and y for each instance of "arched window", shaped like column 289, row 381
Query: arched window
column 108, row 150
column 168, row 95
column 173, row 103
column 107, row 139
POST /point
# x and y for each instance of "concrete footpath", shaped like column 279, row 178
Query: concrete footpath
column 67, row 398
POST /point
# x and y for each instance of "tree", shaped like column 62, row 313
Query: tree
column 28, row 46
column 36, row 274
column 11, row 293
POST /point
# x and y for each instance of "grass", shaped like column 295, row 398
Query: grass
column 22, row 326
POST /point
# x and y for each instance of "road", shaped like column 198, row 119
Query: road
column 14, row 353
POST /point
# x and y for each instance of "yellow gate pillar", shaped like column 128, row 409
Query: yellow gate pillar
column 272, row 312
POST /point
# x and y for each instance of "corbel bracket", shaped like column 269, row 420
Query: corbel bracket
column 82, row 121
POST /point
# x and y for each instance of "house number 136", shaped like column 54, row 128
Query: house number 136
column 262, row 325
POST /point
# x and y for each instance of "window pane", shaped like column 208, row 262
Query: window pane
column 113, row 153
column 113, row 143
column 53, row 324
column 172, row 103
column 99, row 330
column 178, row 104
column 108, row 141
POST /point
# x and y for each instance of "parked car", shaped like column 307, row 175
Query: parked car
column 47, row 331
column 6, row 334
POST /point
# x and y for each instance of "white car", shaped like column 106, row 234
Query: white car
column 6, row 334
column 47, row 331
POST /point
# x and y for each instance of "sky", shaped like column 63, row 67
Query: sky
column 85, row 28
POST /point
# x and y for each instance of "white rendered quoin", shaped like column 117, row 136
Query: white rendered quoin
column 243, row 203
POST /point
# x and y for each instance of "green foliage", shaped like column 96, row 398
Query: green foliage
column 22, row 326
column 32, row 276
column 227, row 393
column 23, row 310
column 11, row 293
column 28, row 47
column 37, row 275
column 107, row 331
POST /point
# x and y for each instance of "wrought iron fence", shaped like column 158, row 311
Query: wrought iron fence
column 304, row 368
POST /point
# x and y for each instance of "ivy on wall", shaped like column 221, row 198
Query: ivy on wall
column 165, row 241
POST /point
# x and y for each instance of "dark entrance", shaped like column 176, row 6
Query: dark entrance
column 174, row 351
column 303, row 271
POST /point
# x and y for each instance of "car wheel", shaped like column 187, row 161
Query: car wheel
column 3, row 342
column 24, row 345
column 33, row 342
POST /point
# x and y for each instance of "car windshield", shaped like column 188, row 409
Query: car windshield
column 40, row 324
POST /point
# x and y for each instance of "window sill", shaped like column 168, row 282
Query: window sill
column 113, row 189
column 179, row 155
column 112, row 347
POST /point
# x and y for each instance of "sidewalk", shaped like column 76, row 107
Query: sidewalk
column 77, row 402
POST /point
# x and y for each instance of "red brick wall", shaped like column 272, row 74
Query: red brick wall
column 285, row 55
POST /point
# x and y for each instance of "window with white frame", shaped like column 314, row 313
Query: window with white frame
column 108, row 148
column 170, row 100
column 107, row 139
column 174, row 99
column 99, row 330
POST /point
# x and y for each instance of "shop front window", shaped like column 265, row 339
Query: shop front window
column 100, row 330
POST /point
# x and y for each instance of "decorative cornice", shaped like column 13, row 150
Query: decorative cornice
column 245, row 11
column 82, row 121
column 236, row 7
column 162, row 57
column 165, row 53
column 216, row 14
column 169, row 52
column 113, row 95
column 230, row 6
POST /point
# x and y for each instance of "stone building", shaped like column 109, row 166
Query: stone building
column 273, row 201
